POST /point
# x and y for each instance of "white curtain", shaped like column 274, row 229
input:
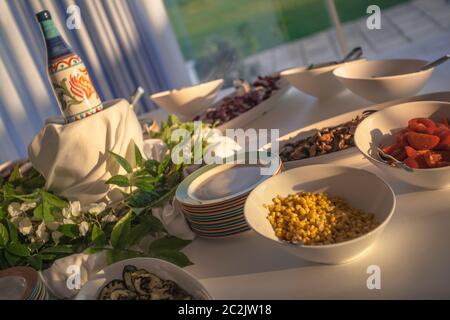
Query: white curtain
column 125, row 43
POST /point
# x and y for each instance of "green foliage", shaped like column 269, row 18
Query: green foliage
column 151, row 184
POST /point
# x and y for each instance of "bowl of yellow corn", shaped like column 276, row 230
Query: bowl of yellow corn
column 323, row 213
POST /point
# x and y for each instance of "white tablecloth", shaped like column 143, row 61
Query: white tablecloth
column 412, row 253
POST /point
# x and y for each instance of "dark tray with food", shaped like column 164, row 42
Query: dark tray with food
column 332, row 138
column 246, row 103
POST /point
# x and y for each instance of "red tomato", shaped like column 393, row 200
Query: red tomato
column 422, row 141
column 402, row 137
column 411, row 152
column 391, row 148
column 422, row 125
column 416, row 163
column 399, row 154
column 444, row 143
column 445, row 155
column 432, row 159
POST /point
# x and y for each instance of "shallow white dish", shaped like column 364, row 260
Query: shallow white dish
column 362, row 189
column 318, row 82
column 218, row 183
column 380, row 128
column 383, row 80
column 189, row 101
column 161, row 268
column 261, row 109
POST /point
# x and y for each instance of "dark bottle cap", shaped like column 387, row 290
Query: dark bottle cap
column 43, row 15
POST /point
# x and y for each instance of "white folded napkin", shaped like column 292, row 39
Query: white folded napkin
column 74, row 157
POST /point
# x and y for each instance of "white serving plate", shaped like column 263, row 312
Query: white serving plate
column 161, row 268
column 307, row 131
column 245, row 118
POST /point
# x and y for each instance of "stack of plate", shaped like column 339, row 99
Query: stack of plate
column 212, row 198
column 22, row 283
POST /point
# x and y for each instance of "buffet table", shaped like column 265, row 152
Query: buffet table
column 412, row 253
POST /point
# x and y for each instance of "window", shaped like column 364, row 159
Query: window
column 246, row 38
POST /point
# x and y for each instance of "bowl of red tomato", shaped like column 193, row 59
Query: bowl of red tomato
column 415, row 133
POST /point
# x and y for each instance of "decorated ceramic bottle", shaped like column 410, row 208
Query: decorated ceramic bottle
column 76, row 94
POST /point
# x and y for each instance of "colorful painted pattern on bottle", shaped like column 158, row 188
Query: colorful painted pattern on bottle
column 71, row 82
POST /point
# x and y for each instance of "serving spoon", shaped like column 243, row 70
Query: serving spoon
column 354, row 54
column 430, row 65
column 397, row 163
column 435, row 63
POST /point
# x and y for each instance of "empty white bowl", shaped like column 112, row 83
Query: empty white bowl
column 380, row 129
column 190, row 101
column 161, row 268
column 362, row 190
column 319, row 82
column 383, row 80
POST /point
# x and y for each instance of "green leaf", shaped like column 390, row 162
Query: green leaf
column 95, row 249
column 137, row 155
column 62, row 248
column 151, row 165
column 144, row 184
column 13, row 232
column 16, row 175
column 53, row 200
column 98, row 237
column 46, row 212
column 164, row 198
column 38, row 212
column 175, row 257
column 122, row 161
column 147, row 225
column 12, row 259
column 121, row 231
column 168, row 244
column 35, row 262
column 3, row 262
column 4, row 235
column 35, row 246
column 69, row 230
column 18, row 249
column 119, row 180
column 115, row 255
column 48, row 257
column 2, row 213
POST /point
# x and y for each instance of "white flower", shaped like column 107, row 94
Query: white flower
column 41, row 232
column 15, row 221
column 27, row 206
column 109, row 218
column 52, row 225
column 56, row 235
column 68, row 221
column 73, row 210
column 25, row 226
column 84, row 228
column 14, row 209
column 95, row 208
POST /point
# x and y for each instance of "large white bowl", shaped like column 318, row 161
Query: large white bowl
column 190, row 101
column 383, row 80
column 319, row 82
column 362, row 189
column 380, row 128
column 161, row 268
